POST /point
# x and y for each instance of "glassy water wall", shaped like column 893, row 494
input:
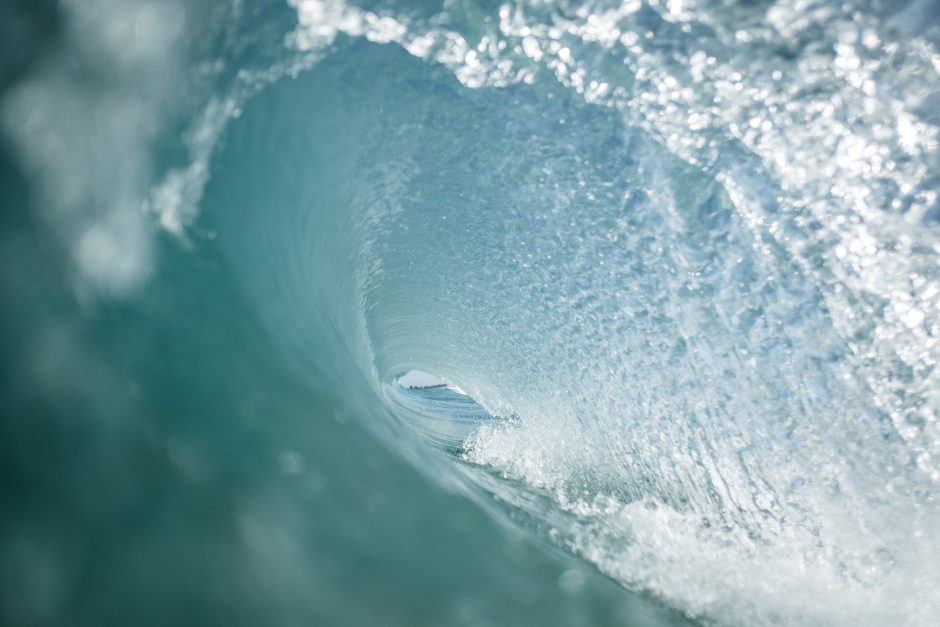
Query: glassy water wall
column 470, row 313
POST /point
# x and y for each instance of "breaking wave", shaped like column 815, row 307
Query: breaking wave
column 681, row 257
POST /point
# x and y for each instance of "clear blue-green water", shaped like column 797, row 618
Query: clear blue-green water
column 677, row 261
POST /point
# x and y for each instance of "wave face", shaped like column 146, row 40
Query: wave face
column 682, row 256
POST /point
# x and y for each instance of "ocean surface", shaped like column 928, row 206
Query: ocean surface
column 674, row 263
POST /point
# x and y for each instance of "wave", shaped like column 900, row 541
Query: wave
column 680, row 257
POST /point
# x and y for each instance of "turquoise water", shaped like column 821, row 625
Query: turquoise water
column 678, row 263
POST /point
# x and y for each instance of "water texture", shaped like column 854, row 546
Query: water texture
column 678, row 262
